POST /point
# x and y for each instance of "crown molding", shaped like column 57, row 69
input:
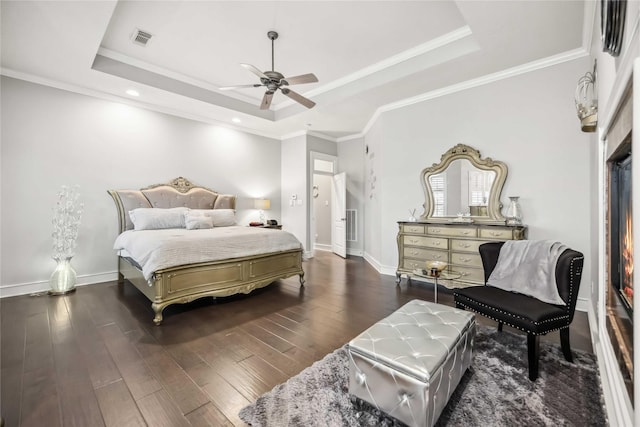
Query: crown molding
column 119, row 57
column 419, row 50
column 587, row 25
column 480, row 81
column 310, row 133
column 127, row 101
column 350, row 137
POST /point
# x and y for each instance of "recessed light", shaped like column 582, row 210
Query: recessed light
column 132, row 92
column 236, row 120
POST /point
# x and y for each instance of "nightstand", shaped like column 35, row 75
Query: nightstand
column 277, row 227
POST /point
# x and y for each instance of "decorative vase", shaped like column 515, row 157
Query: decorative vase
column 514, row 211
column 63, row 279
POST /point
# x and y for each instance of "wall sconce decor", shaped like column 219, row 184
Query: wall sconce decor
column 262, row 205
column 586, row 99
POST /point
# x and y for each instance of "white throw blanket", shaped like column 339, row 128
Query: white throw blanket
column 529, row 267
column 158, row 249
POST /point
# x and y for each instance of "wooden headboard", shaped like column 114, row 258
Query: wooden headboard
column 176, row 193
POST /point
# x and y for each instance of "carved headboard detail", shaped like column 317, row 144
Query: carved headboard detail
column 176, row 193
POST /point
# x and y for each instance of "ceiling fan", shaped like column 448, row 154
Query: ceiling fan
column 274, row 80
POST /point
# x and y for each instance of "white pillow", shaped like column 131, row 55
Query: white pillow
column 221, row 217
column 197, row 222
column 157, row 219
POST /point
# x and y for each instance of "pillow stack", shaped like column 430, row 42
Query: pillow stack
column 191, row 219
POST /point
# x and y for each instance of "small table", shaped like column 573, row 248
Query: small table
column 444, row 275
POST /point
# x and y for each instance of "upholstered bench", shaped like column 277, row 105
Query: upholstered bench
column 409, row 363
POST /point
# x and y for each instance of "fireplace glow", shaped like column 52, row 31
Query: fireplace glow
column 627, row 260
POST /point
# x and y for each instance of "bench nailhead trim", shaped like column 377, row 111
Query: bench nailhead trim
column 553, row 319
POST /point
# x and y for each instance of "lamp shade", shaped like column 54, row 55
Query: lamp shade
column 262, row 204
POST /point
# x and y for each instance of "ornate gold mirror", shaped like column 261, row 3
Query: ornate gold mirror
column 463, row 187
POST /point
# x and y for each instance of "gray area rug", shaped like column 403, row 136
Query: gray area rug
column 495, row 391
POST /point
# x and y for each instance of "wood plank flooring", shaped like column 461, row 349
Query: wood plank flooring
column 95, row 358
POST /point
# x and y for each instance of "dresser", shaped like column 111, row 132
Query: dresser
column 454, row 243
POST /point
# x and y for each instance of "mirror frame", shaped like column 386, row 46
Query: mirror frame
column 462, row 151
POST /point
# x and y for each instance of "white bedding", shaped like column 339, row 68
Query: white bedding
column 158, row 249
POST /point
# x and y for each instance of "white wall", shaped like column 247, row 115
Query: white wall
column 294, row 182
column 374, row 143
column 527, row 121
column 351, row 158
column 52, row 137
column 322, row 210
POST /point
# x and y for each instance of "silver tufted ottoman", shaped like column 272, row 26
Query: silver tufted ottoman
column 409, row 363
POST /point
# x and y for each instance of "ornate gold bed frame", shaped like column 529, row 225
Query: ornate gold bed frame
column 186, row 283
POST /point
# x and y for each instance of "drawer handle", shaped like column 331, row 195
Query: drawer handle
column 414, row 240
column 464, row 274
column 436, row 230
column 437, row 243
column 414, row 253
column 436, row 256
column 464, row 245
column 466, row 232
column 495, row 233
column 465, row 259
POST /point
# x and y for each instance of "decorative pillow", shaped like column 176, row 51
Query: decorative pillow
column 157, row 219
column 225, row 201
column 197, row 222
column 221, row 217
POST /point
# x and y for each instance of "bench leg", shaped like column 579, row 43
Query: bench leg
column 565, row 344
column 533, row 350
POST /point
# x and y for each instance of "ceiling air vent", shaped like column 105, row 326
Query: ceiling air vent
column 141, row 37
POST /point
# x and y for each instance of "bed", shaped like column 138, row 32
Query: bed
column 213, row 271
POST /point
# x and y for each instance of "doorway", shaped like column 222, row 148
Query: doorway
column 323, row 203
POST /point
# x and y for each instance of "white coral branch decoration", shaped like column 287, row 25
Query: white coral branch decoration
column 67, row 213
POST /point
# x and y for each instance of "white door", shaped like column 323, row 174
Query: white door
column 339, row 215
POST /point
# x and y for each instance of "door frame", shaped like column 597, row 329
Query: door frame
column 313, row 156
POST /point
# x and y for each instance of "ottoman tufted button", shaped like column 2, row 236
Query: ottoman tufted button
column 404, row 399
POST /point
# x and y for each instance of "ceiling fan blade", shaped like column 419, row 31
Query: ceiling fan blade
column 303, row 78
column 266, row 100
column 298, row 98
column 254, row 70
column 239, row 87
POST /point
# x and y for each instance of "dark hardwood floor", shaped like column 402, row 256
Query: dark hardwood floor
column 95, row 358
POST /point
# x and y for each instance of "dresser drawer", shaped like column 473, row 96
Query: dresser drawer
column 466, row 245
column 429, row 242
column 466, row 259
column 413, row 264
column 469, row 274
column 440, row 230
column 425, row 254
column 496, row 233
column 413, row 229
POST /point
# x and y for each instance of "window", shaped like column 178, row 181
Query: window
column 480, row 183
column 438, row 189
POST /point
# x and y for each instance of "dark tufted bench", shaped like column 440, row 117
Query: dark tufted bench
column 524, row 312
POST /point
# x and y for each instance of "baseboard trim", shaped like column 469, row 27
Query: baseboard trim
column 42, row 286
column 355, row 252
